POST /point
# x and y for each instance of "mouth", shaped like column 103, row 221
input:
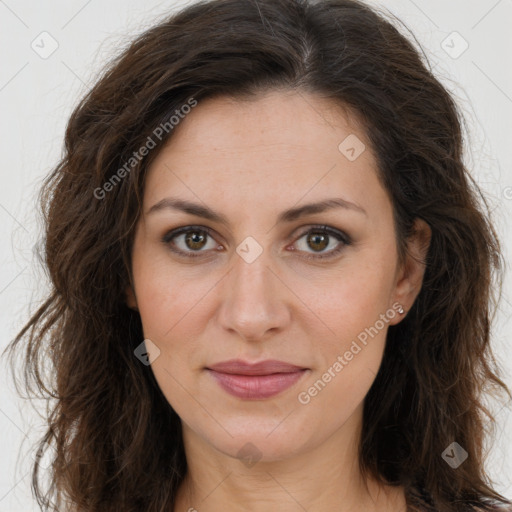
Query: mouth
column 255, row 381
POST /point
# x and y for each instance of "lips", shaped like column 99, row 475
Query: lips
column 239, row 367
column 255, row 380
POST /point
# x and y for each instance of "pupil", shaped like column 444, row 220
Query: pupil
column 196, row 240
column 317, row 236
column 193, row 239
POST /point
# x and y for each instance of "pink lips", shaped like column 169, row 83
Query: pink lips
column 255, row 381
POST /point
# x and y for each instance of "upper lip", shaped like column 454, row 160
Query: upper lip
column 267, row 367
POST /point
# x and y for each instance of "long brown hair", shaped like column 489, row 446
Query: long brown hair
column 117, row 440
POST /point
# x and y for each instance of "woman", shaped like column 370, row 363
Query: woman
column 272, row 275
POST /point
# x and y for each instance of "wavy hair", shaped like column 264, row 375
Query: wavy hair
column 117, row 441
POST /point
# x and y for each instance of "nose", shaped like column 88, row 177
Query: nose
column 255, row 301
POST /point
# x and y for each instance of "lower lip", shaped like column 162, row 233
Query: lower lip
column 256, row 386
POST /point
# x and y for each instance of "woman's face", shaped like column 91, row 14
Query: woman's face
column 263, row 285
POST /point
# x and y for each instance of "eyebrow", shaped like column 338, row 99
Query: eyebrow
column 286, row 216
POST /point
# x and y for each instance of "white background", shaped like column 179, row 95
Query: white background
column 37, row 96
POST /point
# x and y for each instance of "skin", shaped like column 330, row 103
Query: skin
column 244, row 161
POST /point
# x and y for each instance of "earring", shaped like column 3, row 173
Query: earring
column 401, row 310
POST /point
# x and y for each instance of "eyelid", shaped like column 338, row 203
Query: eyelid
column 173, row 233
column 341, row 236
column 324, row 228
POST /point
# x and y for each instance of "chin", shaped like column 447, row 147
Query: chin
column 260, row 441
column 250, row 450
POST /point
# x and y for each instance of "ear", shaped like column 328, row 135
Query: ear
column 409, row 277
column 131, row 301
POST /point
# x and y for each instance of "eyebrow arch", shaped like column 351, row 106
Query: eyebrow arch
column 286, row 216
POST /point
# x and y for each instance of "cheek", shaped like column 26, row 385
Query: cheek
column 354, row 299
column 347, row 361
column 174, row 307
column 163, row 295
column 355, row 309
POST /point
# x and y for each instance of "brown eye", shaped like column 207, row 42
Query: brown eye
column 317, row 239
column 189, row 241
column 195, row 240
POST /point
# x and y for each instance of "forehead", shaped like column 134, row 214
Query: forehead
column 299, row 120
column 279, row 144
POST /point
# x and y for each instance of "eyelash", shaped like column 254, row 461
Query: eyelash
column 323, row 230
